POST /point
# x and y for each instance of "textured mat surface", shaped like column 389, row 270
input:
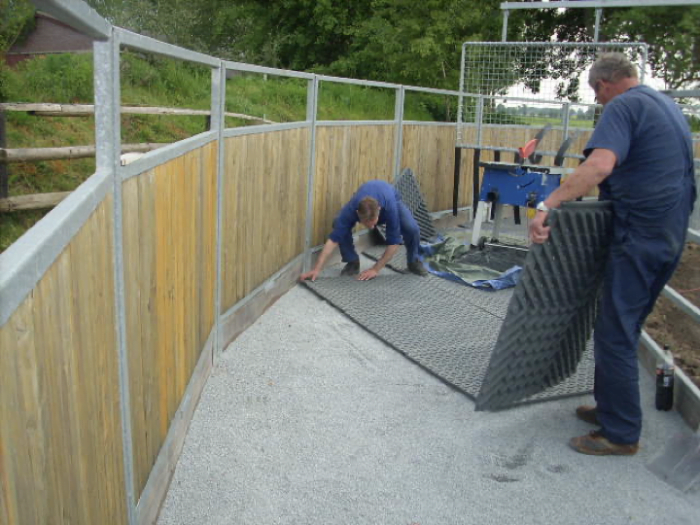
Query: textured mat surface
column 496, row 258
column 550, row 317
column 447, row 328
column 408, row 188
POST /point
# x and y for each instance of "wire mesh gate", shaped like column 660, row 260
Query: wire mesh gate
column 528, row 84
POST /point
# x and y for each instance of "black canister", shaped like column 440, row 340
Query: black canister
column 664, row 382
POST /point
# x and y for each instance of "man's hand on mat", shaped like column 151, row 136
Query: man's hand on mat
column 368, row 275
column 538, row 231
column 309, row 275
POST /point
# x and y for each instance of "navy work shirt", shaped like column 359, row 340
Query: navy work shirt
column 388, row 199
column 651, row 139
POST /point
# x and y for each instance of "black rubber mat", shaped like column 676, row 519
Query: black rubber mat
column 550, row 317
column 408, row 188
column 497, row 258
column 447, row 328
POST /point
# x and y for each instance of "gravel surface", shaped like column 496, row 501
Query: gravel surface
column 308, row 419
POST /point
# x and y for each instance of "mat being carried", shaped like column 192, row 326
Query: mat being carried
column 551, row 315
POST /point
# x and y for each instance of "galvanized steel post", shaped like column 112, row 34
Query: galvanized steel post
column 504, row 32
column 566, row 110
column 311, row 116
column 108, row 147
column 398, row 116
column 218, row 101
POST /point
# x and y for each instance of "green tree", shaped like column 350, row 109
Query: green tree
column 16, row 20
column 672, row 33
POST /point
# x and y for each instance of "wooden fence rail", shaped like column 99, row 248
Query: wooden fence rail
column 8, row 155
column 83, row 110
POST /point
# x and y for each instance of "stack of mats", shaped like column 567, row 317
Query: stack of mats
column 552, row 312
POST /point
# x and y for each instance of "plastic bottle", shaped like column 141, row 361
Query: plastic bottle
column 664, row 382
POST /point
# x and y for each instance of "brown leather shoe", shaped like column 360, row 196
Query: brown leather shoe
column 417, row 268
column 351, row 268
column 587, row 413
column 594, row 444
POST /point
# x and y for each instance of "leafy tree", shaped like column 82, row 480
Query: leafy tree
column 673, row 34
column 16, row 20
column 418, row 43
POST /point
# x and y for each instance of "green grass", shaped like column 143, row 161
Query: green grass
column 153, row 81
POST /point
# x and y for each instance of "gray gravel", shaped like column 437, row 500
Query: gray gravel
column 308, row 419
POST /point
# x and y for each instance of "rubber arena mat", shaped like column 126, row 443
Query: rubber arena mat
column 447, row 328
column 408, row 188
column 494, row 257
column 551, row 315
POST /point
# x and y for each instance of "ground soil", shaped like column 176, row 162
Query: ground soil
column 668, row 325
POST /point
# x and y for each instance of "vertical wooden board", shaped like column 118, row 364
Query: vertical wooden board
column 104, row 322
column 45, row 317
column 336, row 152
column 85, row 276
column 300, row 189
column 248, row 176
column 207, row 213
column 22, row 452
column 284, row 168
column 177, row 240
column 277, row 197
column 70, row 385
column 248, row 205
column 199, row 289
column 322, row 168
column 265, row 247
column 209, row 224
column 256, row 225
column 108, row 366
column 303, row 187
column 164, row 279
column 241, row 191
column 192, row 167
column 196, row 286
column 180, row 236
column 133, row 289
column 149, row 323
column 50, row 318
column 230, row 211
column 351, row 174
column 242, row 195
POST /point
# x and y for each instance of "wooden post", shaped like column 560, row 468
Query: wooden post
column 4, row 170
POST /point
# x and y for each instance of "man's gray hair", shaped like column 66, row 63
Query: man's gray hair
column 611, row 67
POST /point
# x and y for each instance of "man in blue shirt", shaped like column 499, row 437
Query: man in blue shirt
column 375, row 202
column 640, row 156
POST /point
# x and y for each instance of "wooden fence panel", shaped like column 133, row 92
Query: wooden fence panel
column 170, row 269
column 429, row 150
column 264, row 208
column 60, row 427
column 346, row 157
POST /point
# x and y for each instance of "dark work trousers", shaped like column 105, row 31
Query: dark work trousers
column 642, row 260
column 409, row 231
